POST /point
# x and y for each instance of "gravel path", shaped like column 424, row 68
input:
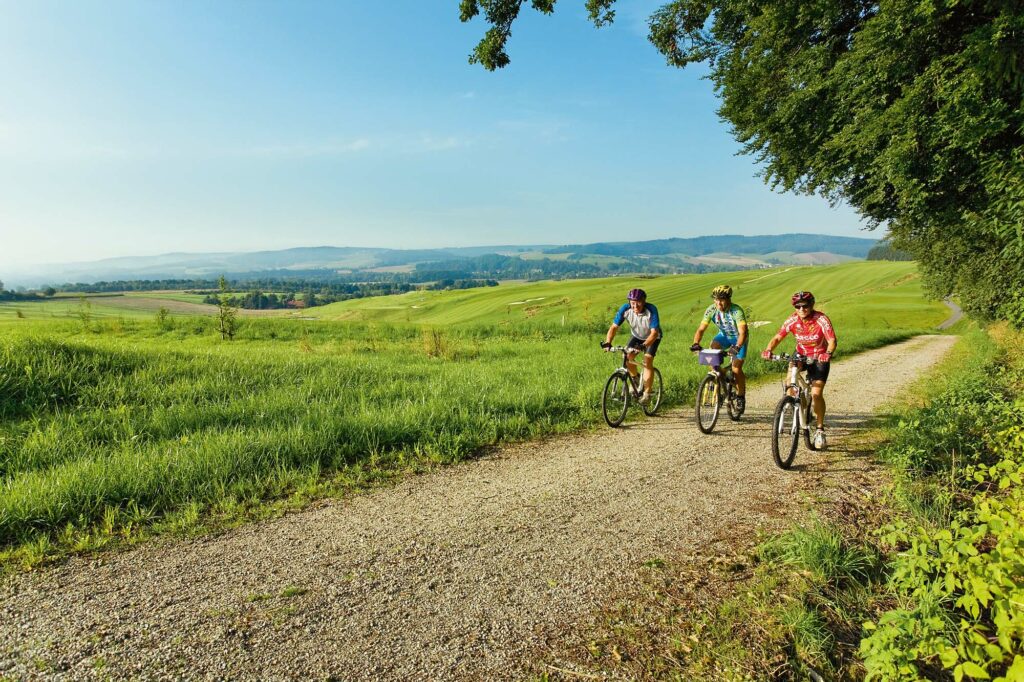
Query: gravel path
column 460, row 573
column 955, row 314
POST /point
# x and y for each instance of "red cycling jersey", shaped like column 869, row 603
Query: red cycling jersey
column 812, row 335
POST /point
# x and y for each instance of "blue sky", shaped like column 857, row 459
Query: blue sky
column 141, row 127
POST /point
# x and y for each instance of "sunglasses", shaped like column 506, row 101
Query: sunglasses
column 802, row 306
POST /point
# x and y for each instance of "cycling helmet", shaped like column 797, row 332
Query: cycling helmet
column 722, row 291
column 637, row 295
column 803, row 297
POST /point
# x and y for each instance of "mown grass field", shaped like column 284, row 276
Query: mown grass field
column 114, row 423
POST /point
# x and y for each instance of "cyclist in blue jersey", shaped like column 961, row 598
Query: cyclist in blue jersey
column 646, row 335
column 732, row 335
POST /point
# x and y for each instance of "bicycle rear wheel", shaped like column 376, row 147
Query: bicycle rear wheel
column 786, row 431
column 655, row 402
column 615, row 399
column 708, row 404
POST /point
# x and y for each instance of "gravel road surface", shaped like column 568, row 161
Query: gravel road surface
column 461, row 573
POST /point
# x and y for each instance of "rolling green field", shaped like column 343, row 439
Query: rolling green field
column 179, row 296
column 115, row 423
column 858, row 295
column 66, row 308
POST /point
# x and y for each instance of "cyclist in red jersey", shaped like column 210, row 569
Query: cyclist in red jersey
column 815, row 338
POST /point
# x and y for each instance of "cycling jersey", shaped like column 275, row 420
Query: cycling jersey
column 727, row 321
column 640, row 324
column 812, row 335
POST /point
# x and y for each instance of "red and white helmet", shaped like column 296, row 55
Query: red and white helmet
column 803, row 297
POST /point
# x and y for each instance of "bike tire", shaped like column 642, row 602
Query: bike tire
column 708, row 404
column 730, row 401
column 786, row 431
column 615, row 399
column 808, row 438
column 656, row 392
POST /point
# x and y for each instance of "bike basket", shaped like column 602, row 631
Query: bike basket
column 711, row 357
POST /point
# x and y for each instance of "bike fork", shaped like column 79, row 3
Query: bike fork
column 805, row 412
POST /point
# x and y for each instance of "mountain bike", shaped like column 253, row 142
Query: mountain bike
column 793, row 412
column 717, row 387
column 622, row 388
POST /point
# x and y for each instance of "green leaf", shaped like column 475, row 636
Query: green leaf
column 975, row 671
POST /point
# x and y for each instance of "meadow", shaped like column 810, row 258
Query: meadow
column 114, row 422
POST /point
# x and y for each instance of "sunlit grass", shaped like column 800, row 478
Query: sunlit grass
column 110, row 426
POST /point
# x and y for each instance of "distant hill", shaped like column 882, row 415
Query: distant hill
column 660, row 256
column 854, row 247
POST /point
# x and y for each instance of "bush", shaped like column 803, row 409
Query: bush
column 959, row 587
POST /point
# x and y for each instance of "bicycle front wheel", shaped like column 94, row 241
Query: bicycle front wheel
column 786, row 431
column 708, row 404
column 808, row 420
column 615, row 399
column 655, row 402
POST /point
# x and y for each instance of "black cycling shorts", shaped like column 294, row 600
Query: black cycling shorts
column 639, row 344
column 818, row 371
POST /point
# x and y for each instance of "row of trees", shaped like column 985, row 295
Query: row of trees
column 496, row 266
column 909, row 111
column 258, row 300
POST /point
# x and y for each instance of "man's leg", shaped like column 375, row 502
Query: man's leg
column 741, row 378
column 631, row 362
column 648, row 373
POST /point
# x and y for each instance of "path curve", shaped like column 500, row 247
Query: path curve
column 955, row 314
column 456, row 574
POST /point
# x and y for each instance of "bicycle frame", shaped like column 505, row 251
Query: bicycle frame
column 636, row 381
column 796, row 381
column 723, row 377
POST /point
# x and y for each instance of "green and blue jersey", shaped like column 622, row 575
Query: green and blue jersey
column 727, row 321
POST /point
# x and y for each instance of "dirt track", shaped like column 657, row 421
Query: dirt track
column 461, row 573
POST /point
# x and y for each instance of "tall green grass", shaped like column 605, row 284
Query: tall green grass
column 124, row 416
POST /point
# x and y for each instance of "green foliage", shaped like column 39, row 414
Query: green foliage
column 501, row 14
column 886, row 251
column 820, row 549
column 227, row 313
column 959, row 586
column 84, row 311
column 163, row 318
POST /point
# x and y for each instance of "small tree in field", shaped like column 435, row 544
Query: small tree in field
column 227, row 313
column 163, row 318
column 85, row 312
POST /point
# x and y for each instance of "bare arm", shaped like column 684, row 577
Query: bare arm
column 612, row 331
column 774, row 342
column 700, row 332
column 651, row 338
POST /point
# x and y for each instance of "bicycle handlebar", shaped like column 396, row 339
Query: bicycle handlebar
column 726, row 351
column 795, row 357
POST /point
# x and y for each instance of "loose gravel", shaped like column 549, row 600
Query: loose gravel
column 461, row 573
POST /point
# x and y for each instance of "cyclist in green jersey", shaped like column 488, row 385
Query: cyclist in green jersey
column 732, row 335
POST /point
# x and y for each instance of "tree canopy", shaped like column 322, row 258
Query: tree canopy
column 908, row 110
